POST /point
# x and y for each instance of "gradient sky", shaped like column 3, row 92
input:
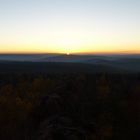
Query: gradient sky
column 69, row 26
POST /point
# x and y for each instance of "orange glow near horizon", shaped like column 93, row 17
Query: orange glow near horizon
column 71, row 50
column 63, row 40
column 73, row 26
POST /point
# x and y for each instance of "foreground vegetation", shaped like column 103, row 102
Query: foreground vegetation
column 69, row 107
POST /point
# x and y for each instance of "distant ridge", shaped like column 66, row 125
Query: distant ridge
column 73, row 58
column 54, row 67
column 129, row 63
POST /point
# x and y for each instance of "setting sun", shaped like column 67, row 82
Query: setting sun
column 68, row 53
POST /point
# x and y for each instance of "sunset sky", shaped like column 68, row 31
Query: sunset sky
column 74, row 26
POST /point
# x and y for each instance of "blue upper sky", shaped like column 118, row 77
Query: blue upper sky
column 69, row 25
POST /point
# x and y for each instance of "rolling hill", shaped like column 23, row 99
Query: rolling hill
column 60, row 63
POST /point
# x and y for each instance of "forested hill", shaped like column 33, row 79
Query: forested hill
column 55, row 67
column 69, row 106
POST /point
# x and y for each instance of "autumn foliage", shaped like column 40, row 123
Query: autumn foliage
column 68, row 107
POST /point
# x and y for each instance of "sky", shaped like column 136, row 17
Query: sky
column 69, row 26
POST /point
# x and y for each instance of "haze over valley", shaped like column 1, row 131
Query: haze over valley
column 64, row 62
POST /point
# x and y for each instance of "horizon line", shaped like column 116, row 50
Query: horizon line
column 76, row 53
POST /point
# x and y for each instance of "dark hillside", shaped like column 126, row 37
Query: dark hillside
column 42, row 106
column 54, row 67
